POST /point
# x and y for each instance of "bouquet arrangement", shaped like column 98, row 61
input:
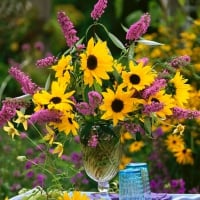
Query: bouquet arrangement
column 88, row 86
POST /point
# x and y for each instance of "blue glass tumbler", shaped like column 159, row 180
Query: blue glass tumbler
column 130, row 185
column 145, row 177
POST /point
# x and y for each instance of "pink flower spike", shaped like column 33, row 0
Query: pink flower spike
column 67, row 28
column 99, row 8
column 28, row 87
column 139, row 28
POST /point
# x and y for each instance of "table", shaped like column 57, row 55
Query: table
column 114, row 196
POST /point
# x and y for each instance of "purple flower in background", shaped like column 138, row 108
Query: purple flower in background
column 79, row 178
column 29, row 151
column 98, row 9
column 181, row 113
column 194, row 190
column 39, row 46
column 28, row 87
column 23, row 135
column 158, row 132
column 40, row 180
column 139, row 28
column 15, row 187
column 26, row 47
column 30, row 174
column 77, row 139
column 94, row 99
column 157, row 85
column 76, row 159
column 144, row 60
column 44, row 116
column 28, row 164
column 133, row 128
column 178, row 185
column 8, row 110
column 6, row 114
column 84, row 108
column 46, row 62
column 40, row 147
column 65, row 157
column 85, row 181
column 16, row 173
column 180, row 61
column 153, row 107
column 67, row 28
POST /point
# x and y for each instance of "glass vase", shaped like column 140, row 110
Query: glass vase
column 101, row 161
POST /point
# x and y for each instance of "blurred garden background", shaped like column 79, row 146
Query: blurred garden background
column 29, row 31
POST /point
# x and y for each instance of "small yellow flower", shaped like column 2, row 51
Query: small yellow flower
column 179, row 129
column 126, row 136
column 76, row 195
column 22, row 119
column 59, row 149
column 184, row 156
column 11, row 130
column 124, row 161
column 49, row 135
column 174, row 142
column 136, row 146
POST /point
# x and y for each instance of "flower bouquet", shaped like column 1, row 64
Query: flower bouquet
column 90, row 88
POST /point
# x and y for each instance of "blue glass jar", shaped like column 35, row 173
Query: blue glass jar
column 130, row 185
column 145, row 177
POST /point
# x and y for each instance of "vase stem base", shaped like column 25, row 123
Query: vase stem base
column 103, row 187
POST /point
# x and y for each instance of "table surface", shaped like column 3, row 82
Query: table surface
column 114, row 196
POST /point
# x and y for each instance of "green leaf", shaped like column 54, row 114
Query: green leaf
column 149, row 42
column 116, row 41
column 147, row 126
column 124, row 28
column 97, row 87
column 48, row 82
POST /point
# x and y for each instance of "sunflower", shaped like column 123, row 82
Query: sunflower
column 96, row 62
column 136, row 146
column 179, row 90
column 184, row 156
column 76, row 195
column 63, row 68
column 116, row 105
column 138, row 77
column 68, row 124
column 174, row 142
column 56, row 99
column 164, row 99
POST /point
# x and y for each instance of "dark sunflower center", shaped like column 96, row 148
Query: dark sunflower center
column 63, row 72
column 174, row 141
column 134, row 79
column 117, row 105
column 70, row 120
column 55, row 100
column 155, row 100
column 91, row 62
column 171, row 89
column 184, row 151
